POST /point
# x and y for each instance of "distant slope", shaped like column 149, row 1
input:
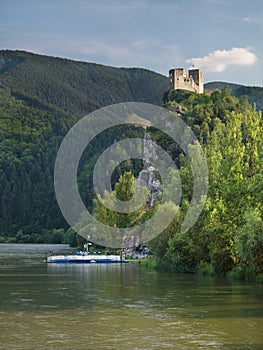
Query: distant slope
column 29, row 141
column 40, row 99
column 76, row 87
column 255, row 94
column 220, row 85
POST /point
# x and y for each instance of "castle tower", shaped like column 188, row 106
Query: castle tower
column 177, row 77
column 179, row 80
column 197, row 75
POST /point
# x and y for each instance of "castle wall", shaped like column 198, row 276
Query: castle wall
column 197, row 76
column 191, row 82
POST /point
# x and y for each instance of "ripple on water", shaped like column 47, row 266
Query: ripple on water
column 103, row 307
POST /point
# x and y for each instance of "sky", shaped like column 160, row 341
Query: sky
column 221, row 37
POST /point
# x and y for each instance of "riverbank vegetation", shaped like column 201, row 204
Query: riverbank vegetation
column 228, row 236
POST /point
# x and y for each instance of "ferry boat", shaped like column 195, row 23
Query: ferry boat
column 85, row 259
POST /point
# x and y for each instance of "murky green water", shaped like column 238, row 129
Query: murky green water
column 121, row 307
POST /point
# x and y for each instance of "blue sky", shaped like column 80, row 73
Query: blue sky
column 222, row 37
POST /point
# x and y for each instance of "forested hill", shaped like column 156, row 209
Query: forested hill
column 80, row 87
column 40, row 99
column 76, row 87
column 254, row 93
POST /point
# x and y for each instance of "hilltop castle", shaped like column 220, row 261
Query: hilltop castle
column 192, row 82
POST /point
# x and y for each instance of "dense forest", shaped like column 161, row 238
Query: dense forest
column 30, row 139
column 75, row 87
column 254, row 93
column 42, row 97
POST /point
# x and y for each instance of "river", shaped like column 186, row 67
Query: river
column 119, row 307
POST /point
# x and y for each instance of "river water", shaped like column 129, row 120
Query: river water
column 120, row 307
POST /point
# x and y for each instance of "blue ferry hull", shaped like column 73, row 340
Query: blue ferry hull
column 86, row 259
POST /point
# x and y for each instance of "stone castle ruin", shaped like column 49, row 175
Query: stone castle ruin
column 179, row 80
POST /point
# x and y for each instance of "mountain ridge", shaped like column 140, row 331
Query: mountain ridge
column 79, row 87
column 74, row 86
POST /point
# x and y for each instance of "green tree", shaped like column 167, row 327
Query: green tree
column 249, row 244
column 125, row 190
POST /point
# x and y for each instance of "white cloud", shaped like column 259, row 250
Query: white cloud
column 247, row 19
column 219, row 60
column 257, row 20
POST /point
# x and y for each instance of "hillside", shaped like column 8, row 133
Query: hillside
column 254, row 93
column 40, row 99
column 76, row 87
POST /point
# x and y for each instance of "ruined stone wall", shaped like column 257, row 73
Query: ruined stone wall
column 191, row 82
